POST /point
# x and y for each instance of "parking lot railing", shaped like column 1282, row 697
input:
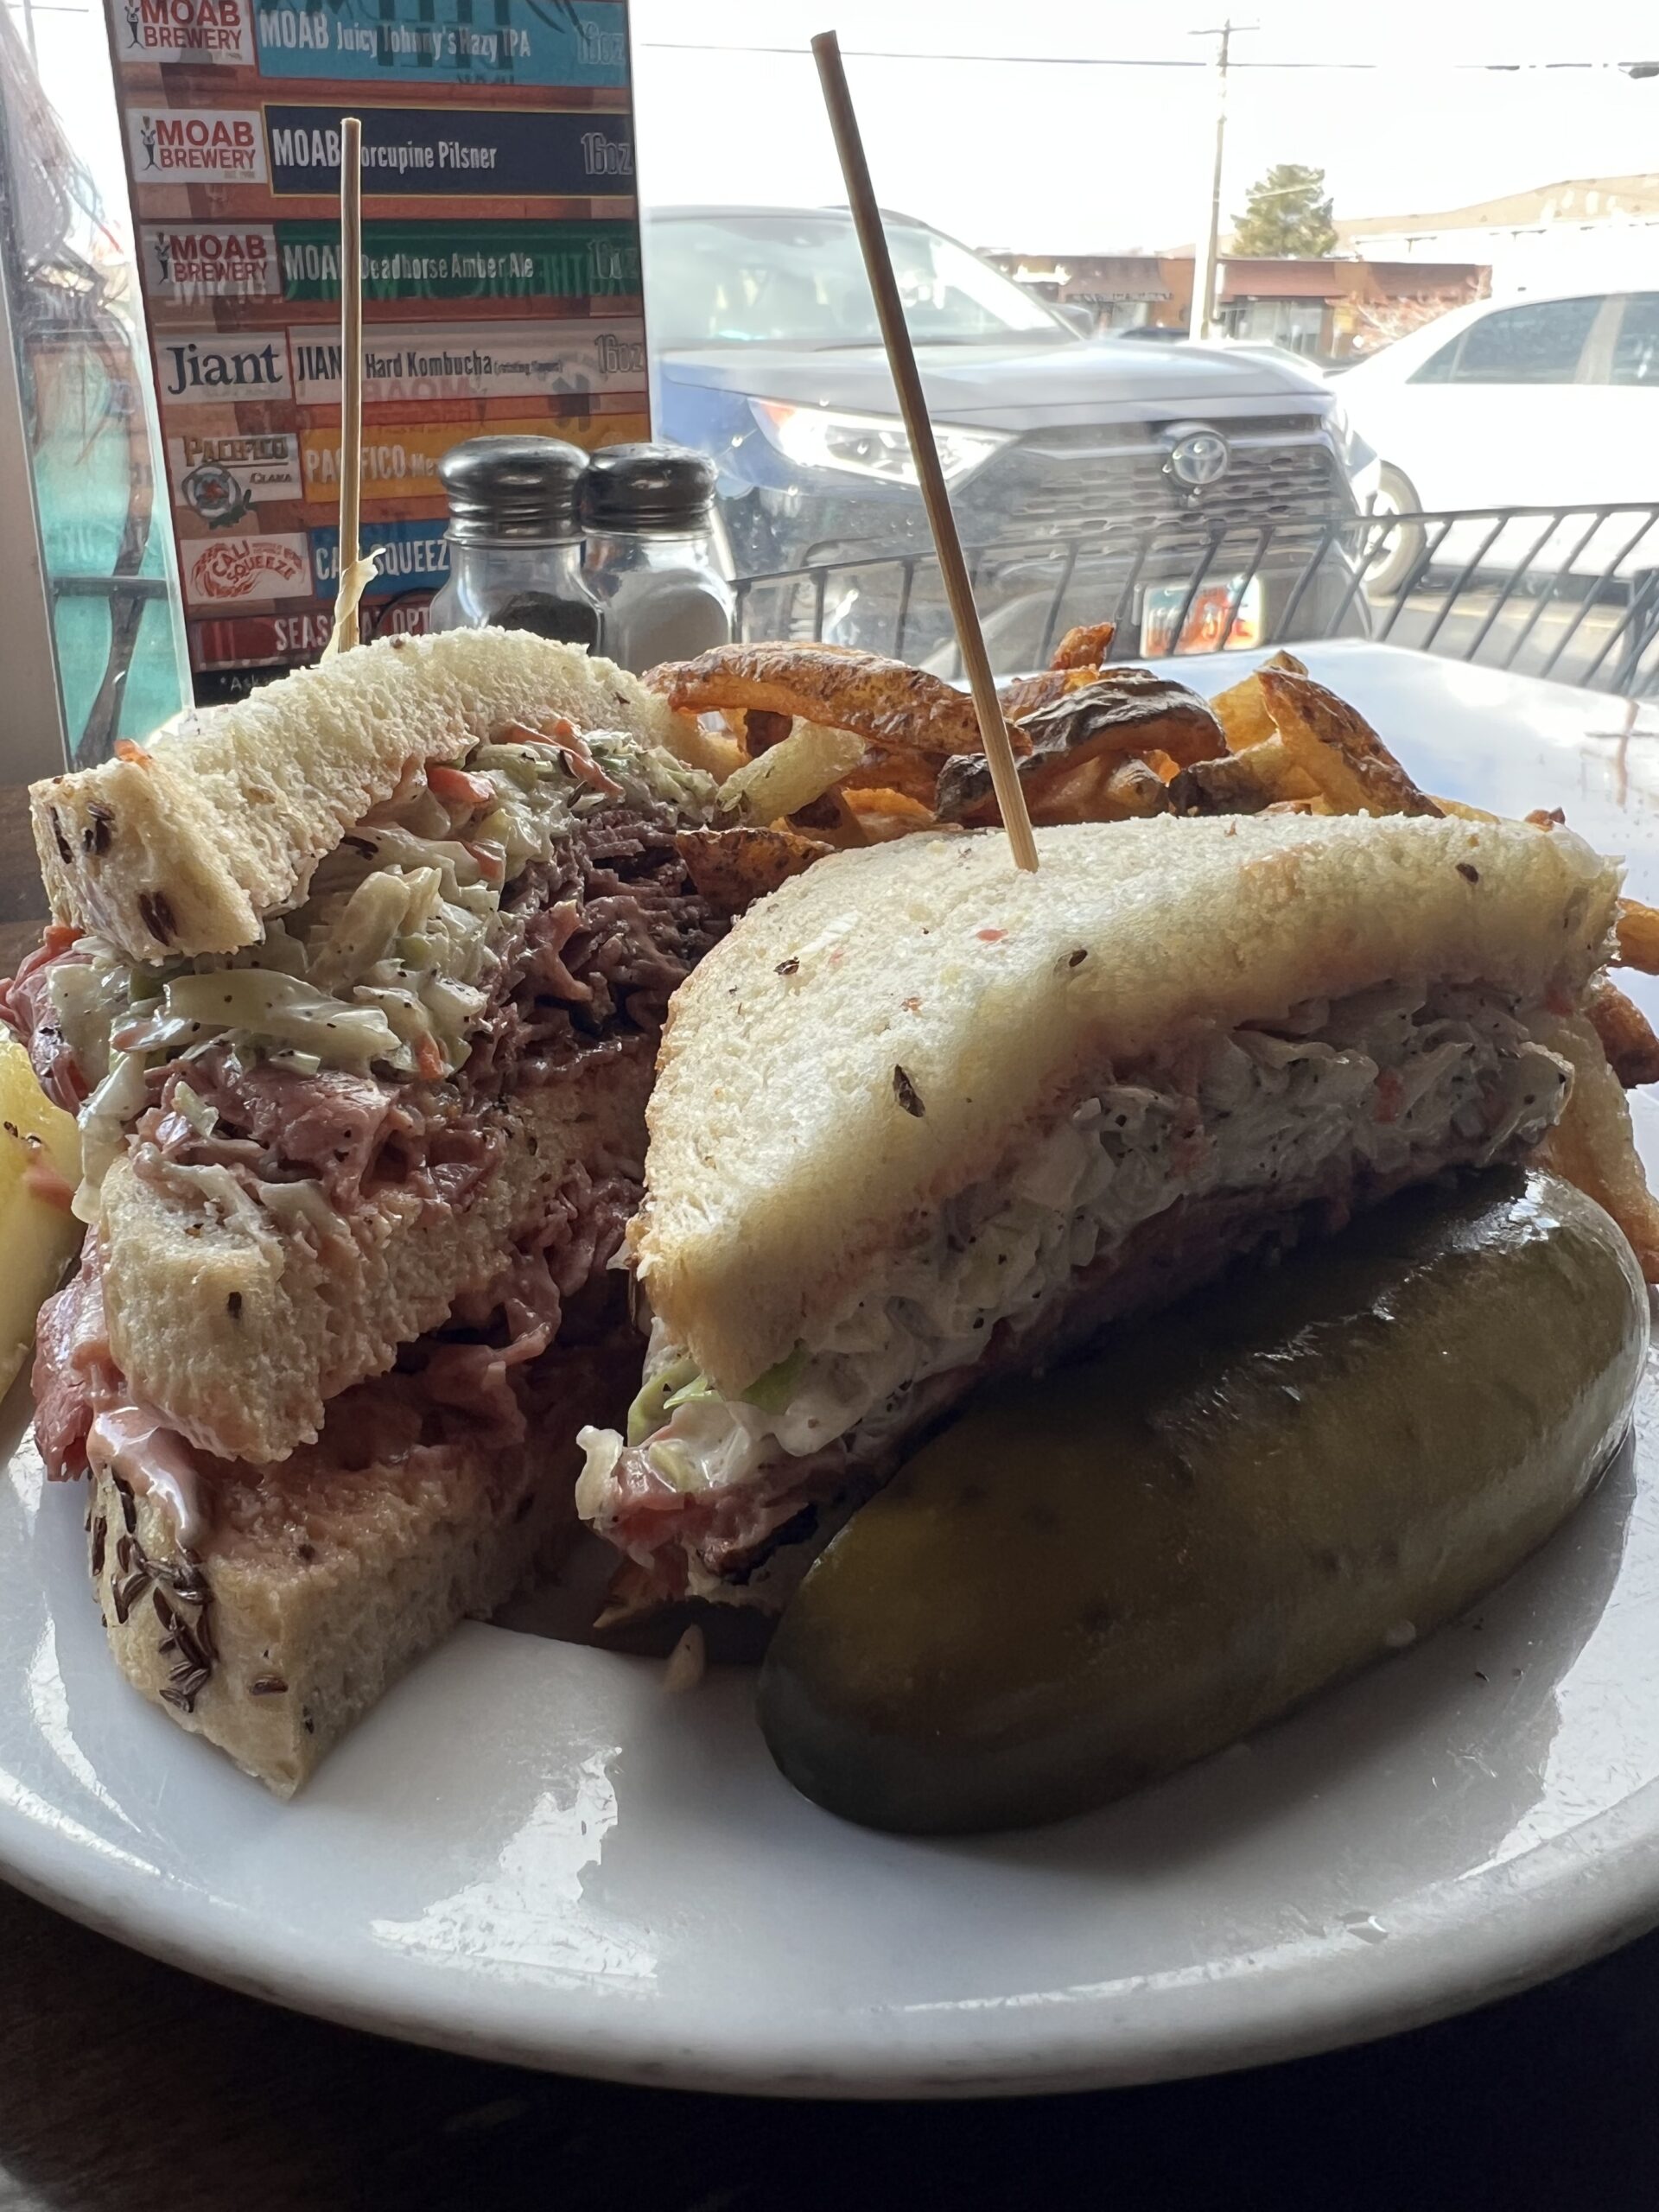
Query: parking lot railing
column 1571, row 594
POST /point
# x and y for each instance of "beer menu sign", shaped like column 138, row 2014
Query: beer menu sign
column 500, row 276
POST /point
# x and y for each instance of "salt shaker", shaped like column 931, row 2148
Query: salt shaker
column 650, row 560
column 515, row 539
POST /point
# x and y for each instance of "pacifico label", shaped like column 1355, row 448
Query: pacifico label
column 222, row 479
column 183, row 30
column 165, row 144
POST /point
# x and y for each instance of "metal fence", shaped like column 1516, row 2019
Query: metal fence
column 1571, row 594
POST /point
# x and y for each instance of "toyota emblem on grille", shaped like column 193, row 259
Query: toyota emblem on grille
column 1198, row 457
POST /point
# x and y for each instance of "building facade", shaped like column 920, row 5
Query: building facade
column 1328, row 310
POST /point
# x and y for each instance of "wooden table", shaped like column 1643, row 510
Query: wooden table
column 124, row 2084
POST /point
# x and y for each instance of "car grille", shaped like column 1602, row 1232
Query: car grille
column 1094, row 496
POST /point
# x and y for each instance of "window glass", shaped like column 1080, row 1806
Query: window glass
column 1635, row 350
column 83, row 379
column 799, row 279
column 1439, row 367
column 1538, row 343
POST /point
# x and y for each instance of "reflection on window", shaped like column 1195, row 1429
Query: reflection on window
column 1438, row 366
column 1538, row 343
column 1635, row 350
column 799, row 279
column 103, row 527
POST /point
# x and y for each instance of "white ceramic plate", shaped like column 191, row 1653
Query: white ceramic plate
column 532, row 1851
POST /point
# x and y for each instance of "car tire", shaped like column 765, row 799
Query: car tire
column 1404, row 553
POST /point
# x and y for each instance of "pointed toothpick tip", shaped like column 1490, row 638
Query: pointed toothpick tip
column 913, row 405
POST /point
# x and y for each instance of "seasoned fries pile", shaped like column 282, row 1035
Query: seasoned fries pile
column 816, row 748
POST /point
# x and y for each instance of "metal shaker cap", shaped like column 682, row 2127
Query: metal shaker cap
column 647, row 487
column 510, row 487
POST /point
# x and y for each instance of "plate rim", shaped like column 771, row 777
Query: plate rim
column 1538, row 1916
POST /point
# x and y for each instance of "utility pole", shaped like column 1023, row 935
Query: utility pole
column 1203, row 273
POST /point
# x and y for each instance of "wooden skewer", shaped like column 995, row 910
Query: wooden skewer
column 901, row 359
column 351, row 377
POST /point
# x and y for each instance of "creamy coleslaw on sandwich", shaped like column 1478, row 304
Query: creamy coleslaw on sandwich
column 356, row 989
column 923, row 1119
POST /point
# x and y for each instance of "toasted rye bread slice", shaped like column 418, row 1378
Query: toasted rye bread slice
column 186, row 845
column 888, row 1028
column 323, row 1584
column 241, row 1331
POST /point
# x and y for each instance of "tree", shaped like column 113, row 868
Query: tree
column 1286, row 216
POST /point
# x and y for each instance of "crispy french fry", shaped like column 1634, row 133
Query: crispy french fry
column 1241, row 783
column 733, row 867
column 1594, row 1145
column 913, row 773
column 763, row 729
column 1638, row 936
column 1626, row 1035
column 1076, row 793
column 1135, row 791
column 1338, row 748
column 787, row 777
column 716, row 752
column 1085, row 646
column 830, row 818
column 1243, row 709
column 1125, row 712
column 887, row 702
column 1023, row 694
column 884, row 815
column 1463, row 812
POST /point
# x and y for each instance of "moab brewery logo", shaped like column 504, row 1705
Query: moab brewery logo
column 185, row 30
column 188, row 142
column 183, row 263
column 195, row 368
column 233, row 568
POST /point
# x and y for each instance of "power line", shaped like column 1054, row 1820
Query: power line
column 1142, row 61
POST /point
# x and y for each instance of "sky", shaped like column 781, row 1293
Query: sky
column 1072, row 158
column 1060, row 156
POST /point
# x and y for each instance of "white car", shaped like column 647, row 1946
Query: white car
column 1549, row 402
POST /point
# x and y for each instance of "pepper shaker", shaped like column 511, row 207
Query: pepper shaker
column 515, row 539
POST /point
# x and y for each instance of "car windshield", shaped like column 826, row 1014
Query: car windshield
column 798, row 279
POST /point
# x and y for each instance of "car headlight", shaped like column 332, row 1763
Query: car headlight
column 870, row 445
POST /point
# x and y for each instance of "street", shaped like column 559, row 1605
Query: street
column 1600, row 646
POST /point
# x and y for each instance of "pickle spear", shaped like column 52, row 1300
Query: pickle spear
column 1094, row 1577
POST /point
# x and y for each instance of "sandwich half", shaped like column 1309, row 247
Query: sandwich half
column 356, row 987
column 923, row 1118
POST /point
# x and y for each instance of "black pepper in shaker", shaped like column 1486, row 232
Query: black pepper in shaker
column 515, row 539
